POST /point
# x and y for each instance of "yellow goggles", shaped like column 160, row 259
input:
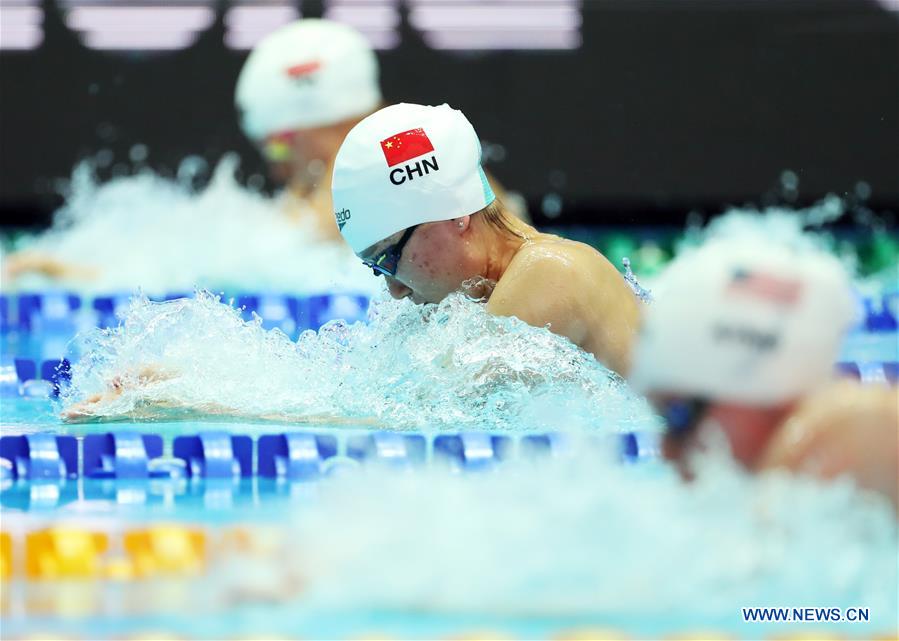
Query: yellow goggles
column 278, row 147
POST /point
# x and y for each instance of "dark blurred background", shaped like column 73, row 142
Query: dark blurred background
column 601, row 111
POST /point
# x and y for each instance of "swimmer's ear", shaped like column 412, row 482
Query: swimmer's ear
column 462, row 223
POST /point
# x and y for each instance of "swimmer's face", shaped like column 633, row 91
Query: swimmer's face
column 282, row 153
column 303, row 153
column 683, row 417
column 434, row 261
column 691, row 420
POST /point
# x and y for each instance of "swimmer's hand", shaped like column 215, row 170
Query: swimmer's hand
column 92, row 406
column 846, row 429
column 96, row 406
column 28, row 262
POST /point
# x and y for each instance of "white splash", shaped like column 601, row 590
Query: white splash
column 449, row 365
column 583, row 536
column 145, row 231
column 797, row 228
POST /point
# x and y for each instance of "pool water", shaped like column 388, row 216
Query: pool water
column 354, row 575
column 484, row 479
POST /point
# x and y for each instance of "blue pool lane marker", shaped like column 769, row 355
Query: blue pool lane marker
column 391, row 448
column 40, row 456
column 62, row 313
column 54, row 374
column 50, row 311
column 275, row 311
column 215, row 455
column 294, row 456
column 109, row 308
column 26, row 369
column 301, row 456
column 127, row 455
column 472, row 451
column 870, row 372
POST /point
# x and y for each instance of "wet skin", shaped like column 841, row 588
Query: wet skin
column 846, row 428
column 545, row 281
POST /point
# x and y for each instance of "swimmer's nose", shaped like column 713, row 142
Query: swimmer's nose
column 397, row 289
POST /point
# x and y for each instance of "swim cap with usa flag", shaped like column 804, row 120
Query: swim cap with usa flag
column 744, row 320
column 406, row 165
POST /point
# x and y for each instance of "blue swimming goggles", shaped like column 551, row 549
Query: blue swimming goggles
column 387, row 261
column 682, row 415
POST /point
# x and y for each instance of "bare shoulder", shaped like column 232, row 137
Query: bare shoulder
column 551, row 257
column 571, row 288
column 548, row 265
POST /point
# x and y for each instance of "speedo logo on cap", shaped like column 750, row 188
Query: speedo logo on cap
column 403, row 148
column 342, row 217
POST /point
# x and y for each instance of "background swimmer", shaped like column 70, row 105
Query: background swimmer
column 302, row 88
column 300, row 91
column 413, row 202
column 741, row 341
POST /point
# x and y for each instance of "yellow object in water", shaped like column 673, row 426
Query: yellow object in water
column 119, row 569
column 5, row 556
column 590, row 634
column 64, row 553
column 166, row 549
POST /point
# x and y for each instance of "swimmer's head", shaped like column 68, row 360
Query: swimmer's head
column 740, row 330
column 309, row 75
column 744, row 322
column 406, row 183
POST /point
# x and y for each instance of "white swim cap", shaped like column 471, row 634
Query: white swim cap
column 744, row 322
column 309, row 73
column 406, row 165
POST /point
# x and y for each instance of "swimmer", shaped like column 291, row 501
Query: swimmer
column 411, row 199
column 302, row 88
column 741, row 341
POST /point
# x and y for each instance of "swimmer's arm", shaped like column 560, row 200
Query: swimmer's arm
column 845, row 428
column 94, row 408
column 30, row 262
column 597, row 312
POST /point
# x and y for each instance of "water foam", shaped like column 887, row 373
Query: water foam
column 448, row 365
column 800, row 229
column 162, row 235
column 583, row 536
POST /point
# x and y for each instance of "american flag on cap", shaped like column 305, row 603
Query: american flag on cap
column 773, row 288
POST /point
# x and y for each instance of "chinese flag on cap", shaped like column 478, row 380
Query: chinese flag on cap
column 303, row 69
column 406, row 146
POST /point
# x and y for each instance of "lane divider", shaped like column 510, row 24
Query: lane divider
column 290, row 456
column 66, row 312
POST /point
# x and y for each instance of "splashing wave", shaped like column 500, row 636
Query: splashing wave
column 449, row 365
column 579, row 536
column 161, row 235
